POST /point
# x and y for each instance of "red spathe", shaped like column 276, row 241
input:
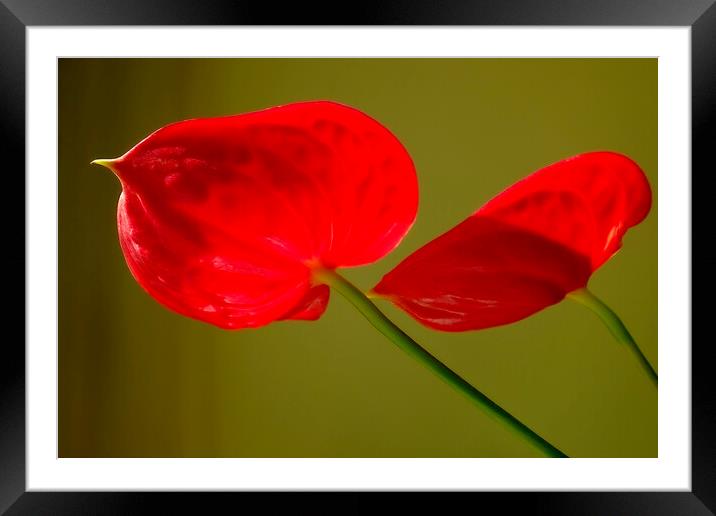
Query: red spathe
column 526, row 248
column 223, row 219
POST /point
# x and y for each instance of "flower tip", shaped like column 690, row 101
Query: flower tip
column 107, row 163
column 372, row 294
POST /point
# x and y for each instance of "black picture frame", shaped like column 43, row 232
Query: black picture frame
column 17, row 15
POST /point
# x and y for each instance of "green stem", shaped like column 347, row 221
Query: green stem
column 412, row 348
column 615, row 325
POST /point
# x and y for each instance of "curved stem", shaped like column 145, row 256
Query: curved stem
column 615, row 325
column 412, row 348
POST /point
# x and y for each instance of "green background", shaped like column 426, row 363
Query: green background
column 136, row 380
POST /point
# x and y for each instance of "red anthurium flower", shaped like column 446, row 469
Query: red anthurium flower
column 224, row 219
column 525, row 249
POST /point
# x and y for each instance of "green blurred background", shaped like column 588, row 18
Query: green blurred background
column 136, row 380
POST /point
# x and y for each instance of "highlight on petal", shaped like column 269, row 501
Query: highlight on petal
column 222, row 219
column 525, row 249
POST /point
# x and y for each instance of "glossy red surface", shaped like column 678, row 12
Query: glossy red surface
column 526, row 248
column 222, row 219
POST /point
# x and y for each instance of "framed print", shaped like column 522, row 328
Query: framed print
column 210, row 211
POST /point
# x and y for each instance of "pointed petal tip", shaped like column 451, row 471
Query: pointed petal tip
column 107, row 163
column 373, row 294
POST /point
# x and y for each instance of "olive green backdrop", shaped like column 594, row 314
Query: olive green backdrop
column 136, row 380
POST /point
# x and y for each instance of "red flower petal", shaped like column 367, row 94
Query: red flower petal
column 222, row 219
column 585, row 203
column 525, row 249
column 312, row 305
